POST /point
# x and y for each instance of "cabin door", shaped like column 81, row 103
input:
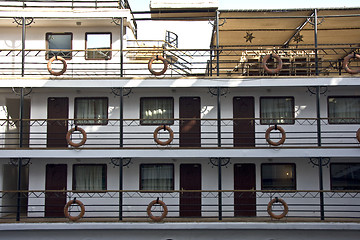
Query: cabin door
column 56, row 179
column 244, row 179
column 190, row 179
column 244, row 129
column 190, row 135
column 58, row 108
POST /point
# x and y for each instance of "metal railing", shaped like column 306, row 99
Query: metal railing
column 66, row 3
column 106, row 133
column 182, row 62
column 131, row 205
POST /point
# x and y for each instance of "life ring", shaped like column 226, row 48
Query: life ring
column 279, row 64
column 164, row 68
column 283, row 214
column 164, row 127
column 346, row 63
column 50, row 68
column 358, row 135
column 283, row 135
column 83, row 140
column 66, row 210
column 157, row 218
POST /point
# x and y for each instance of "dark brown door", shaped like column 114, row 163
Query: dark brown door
column 58, row 108
column 190, row 128
column 244, row 127
column 56, row 178
column 190, row 179
column 244, row 179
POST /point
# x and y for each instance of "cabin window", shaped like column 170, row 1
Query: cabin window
column 61, row 41
column 157, row 177
column 277, row 110
column 344, row 110
column 89, row 177
column 345, row 176
column 278, row 176
column 91, row 111
column 97, row 45
column 157, row 111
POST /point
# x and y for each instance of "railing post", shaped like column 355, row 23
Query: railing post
column 121, row 189
column 121, row 47
column 219, row 188
column 217, row 44
column 321, row 188
column 121, row 118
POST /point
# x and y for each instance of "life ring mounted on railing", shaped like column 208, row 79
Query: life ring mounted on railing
column 279, row 63
column 166, row 128
column 358, row 135
column 70, row 132
column 277, row 200
column 68, row 205
column 149, row 211
column 283, row 135
column 49, row 67
column 163, row 60
column 347, row 61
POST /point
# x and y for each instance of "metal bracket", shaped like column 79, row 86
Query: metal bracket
column 312, row 90
column 223, row 91
column 116, row 161
column 315, row 161
column 220, row 24
column 117, row 21
column 215, row 161
column 19, row 21
column 24, row 161
column 311, row 21
column 17, row 91
column 126, row 91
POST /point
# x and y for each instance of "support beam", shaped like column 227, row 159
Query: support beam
column 121, row 188
column 298, row 30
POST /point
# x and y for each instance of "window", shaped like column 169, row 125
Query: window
column 345, row 176
column 59, row 41
column 277, row 110
column 278, row 176
column 89, row 177
column 153, row 110
column 96, row 45
column 344, row 110
column 94, row 111
column 157, row 177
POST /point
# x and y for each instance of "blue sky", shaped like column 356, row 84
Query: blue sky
column 143, row 5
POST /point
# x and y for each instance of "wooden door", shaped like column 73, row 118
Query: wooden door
column 190, row 179
column 244, row 129
column 244, row 179
column 190, row 135
column 56, row 179
column 58, row 108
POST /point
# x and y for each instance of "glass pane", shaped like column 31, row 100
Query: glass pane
column 98, row 41
column 157, row 177
column 155, row 109
column 277, row 110
column 344, row 110
column 59, row 41
column 278, row 176
column 94, row 110
column 90, row 177
column 345, row 176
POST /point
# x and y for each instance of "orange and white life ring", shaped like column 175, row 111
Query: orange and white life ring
column 158, row 73
column 82, row 210
column 347, row 61
column 275, row 70
column 358, row 135
column 52, row 72
column 83, row 140
column 157, row 218
column 283, row 135
column 283, row 214
column 158, row 141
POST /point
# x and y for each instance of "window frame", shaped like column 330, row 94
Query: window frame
column 294, row 176
column 157, row 164
column 47, row 57
column 103, row 122
column 331, row 178
column 271, row 122
column 104, row 171
column 328, row 110
column 142, row 119
column 86, row 47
